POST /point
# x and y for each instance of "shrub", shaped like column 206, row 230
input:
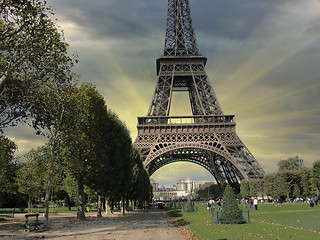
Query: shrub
column 231, row 213
column 189, row 206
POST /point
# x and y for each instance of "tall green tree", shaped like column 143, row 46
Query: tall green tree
column 8, row 168
column 31, row 177
column 34, row 173
column 82, row 139
column 316, row 173
column 35, row 63
column 274, row 186
column 256, row 187
column 245, row 189
column 119, row 151
column 140, row 183
column 32, row 50
column 294, row 163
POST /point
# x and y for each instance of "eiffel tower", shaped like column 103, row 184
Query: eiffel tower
column 208, row 137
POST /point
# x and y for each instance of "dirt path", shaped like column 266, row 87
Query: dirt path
column 134, row 225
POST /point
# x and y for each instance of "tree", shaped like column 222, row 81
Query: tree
column 231, row 213
column 316, row 173
column 31, row 177
column 140, row 183
column 8, row 168
column 245, row 189
column 82, row 137
column 35, row 63
column 256, row 187
column 189, row 206
column 120, row 161
column 291, row 164
column 273, row 186
column 34, row 173
column 49, row 105
column 31, row 51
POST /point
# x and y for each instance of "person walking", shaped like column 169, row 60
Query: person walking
column 251, row 203
column 255, row 203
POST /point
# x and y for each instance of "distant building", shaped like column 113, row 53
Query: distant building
column 155, row 185
column 185, row 184
column 202, row 184
column 183, row 188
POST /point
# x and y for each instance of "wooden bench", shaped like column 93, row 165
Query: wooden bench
column 29, row 225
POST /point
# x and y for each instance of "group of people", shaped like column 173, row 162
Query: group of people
column 312, row 201
column 253, row 203
column 211, row 205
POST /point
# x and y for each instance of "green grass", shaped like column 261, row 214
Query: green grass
column 294, row 215
column 291, row 221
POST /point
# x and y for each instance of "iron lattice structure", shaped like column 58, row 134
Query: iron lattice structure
column 208, row 137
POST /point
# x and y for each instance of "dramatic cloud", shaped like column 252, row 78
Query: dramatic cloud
column 263, row 61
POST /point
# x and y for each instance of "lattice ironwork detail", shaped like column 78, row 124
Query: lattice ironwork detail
column 180, row 37
column 208, row 137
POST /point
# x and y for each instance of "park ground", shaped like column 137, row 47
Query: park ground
column 154, row 224
column 286, row 222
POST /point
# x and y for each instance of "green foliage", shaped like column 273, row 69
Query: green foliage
column 33, row 174
column 8, row 168
column 82, row 136
column 291, row 164
column 245, row 189
column 140, row 182
column 189, row 206
column 292, row 180
column 256, row 187
column 316, row 173
column 213, row 190
column 231, row 214
column 34, row 63
column 273, row 186
column 33, row 53
column 69, row 184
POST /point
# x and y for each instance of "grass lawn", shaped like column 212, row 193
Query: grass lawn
column 290, row 221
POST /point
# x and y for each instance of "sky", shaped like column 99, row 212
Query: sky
column 263, row 64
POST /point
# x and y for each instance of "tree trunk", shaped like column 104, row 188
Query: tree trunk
column 99, row 207
column 80, row 201
column 107, row 206
column 123, row 205
column 112, row 205
column 69, row 203
column 49, row 186
column 29, row 206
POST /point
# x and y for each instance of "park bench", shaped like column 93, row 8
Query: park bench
column 29, row 225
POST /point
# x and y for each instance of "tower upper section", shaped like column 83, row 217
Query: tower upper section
column 180, row 38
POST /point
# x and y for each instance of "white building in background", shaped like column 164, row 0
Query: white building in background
column 185, row 184
column 183, row 188
column 155, row 185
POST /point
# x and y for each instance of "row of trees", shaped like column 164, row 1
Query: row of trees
column 292, row 180
column 87, row 145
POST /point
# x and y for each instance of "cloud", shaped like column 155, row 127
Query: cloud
column 116, row 19
column 172, row 173
column 25, row 138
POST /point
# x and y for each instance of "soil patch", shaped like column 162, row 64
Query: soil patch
column 154, row 224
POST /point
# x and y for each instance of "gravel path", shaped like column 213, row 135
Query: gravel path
column 134, row 225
